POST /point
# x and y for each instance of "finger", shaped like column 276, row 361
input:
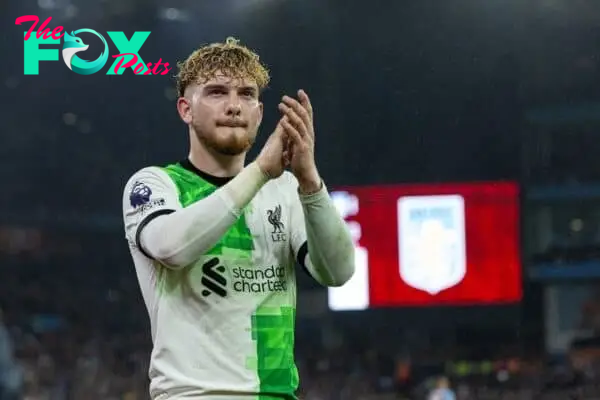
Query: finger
column 293, row 133
column 278, row 136
column 305, row 101
column 298, row 108
column 287, row 141
column 286, row 158
column 293, row 118
column 306, row 104
column 280, row 131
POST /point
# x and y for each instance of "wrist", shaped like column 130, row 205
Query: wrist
column 257, row 165
column 310, row 186
column 244, row 186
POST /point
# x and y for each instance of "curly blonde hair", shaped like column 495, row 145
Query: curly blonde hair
column 230, row 58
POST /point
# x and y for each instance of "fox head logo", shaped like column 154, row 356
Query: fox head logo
column 73, row 45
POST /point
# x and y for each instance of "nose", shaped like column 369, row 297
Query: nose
column 234, row 108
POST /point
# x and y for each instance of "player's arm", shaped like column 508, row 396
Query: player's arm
column 177, row 236
column 320, row 239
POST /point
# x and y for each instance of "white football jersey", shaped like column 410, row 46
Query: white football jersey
column 223, row 327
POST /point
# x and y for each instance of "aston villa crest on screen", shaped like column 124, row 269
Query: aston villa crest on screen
column 432, row 242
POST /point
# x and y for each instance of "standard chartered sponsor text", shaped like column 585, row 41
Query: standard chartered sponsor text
column 251, row 280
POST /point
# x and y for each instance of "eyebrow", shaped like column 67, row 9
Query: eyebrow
column 248, row 88
column 215, row 86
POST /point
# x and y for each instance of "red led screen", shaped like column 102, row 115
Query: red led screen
column 417, row 245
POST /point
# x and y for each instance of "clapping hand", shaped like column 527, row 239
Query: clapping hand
column 297, row 122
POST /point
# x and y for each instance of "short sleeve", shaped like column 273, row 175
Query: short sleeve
column 148, row 194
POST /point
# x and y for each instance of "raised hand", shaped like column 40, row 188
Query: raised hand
column 298, row 124
column 272, row 160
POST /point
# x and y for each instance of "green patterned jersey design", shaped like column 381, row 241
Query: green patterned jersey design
column 273, row 331
column 273, row 322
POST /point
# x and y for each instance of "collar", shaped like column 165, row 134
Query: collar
column 215, row 180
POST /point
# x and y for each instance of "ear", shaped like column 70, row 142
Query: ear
column 184, row 108
column 261, row 108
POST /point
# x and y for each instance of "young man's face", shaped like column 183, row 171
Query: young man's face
column 224, row 113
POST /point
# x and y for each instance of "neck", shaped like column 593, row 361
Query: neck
column 214, row 163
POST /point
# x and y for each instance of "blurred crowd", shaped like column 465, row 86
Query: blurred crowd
column 76, row 331
column 75, row 327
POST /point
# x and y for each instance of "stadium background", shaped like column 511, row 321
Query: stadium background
column 405, row 92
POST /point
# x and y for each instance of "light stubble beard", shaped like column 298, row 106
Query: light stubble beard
column 228, row 147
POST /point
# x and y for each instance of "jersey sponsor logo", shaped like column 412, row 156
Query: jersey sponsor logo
column 432, row 245
column 259, row 279
column 274, row 218
column 241, row 279
column 213, row 278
